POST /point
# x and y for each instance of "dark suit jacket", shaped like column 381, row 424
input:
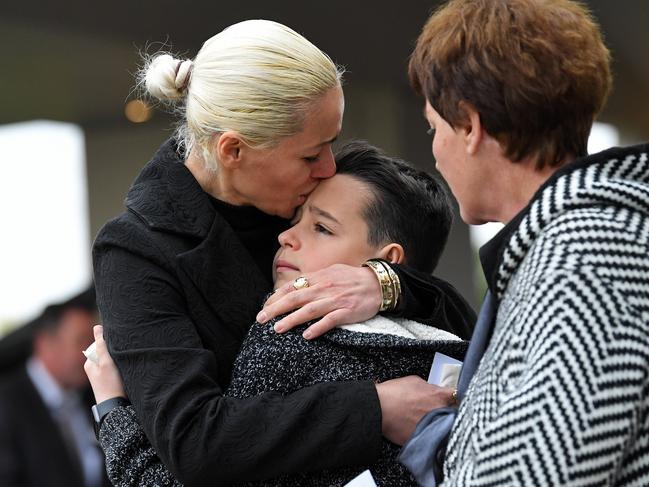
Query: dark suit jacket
column 32, row 450
column 177, row 292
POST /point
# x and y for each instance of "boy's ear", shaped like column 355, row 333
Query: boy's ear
column 393, row 253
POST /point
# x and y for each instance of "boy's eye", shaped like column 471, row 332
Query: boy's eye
column 321, row 229
column 431, row 131
column 312, row 158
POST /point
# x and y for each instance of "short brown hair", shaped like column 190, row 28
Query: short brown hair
column 537, row 72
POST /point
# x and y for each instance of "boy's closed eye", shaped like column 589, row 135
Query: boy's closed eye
column 320, row 228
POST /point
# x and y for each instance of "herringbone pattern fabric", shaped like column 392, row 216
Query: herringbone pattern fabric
column 561, row 396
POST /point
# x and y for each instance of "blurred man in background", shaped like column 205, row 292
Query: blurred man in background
column 46, row 435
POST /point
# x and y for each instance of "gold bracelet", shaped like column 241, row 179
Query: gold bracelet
column 396, row 283
column 388, row 297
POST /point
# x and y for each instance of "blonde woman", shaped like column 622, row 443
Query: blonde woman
column 181, row 274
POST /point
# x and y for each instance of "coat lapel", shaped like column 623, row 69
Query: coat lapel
column 167, row 197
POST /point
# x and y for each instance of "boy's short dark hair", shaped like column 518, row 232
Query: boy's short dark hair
column 410, row 207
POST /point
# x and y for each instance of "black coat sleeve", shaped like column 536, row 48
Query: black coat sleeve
column 428, row 299
column 203, row 437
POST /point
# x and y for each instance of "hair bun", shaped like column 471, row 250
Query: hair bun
column 167, row 78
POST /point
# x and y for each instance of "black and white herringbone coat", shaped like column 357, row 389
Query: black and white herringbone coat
column 561, row 396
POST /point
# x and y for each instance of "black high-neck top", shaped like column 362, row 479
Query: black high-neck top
column 257, row 231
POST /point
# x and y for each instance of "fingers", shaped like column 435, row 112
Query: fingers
column 307, row 312
column 289, row 288
column 98, row 331
column 289, row 301
column 354, row 291
column 97, row 352
column 103, row 375
column 88, row 367
column 279, row 293
column 404, row 401
column 91, row 351
column 328, row 322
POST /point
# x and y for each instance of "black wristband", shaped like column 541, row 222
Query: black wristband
column 99, row 411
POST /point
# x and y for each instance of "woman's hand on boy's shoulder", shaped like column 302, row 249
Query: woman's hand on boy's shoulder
column 338, row 295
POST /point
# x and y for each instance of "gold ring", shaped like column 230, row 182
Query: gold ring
column 300, row 283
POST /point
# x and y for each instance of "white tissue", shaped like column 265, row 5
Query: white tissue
column 91, row 353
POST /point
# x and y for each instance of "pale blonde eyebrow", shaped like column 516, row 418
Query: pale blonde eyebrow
column 330, row 141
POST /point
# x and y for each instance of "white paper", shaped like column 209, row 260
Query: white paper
column 91, row 353
column 444, row 371
column 363, row 480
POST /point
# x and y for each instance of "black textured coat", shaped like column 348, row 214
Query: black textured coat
column 177, row 291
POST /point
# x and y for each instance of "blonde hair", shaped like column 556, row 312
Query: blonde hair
column 257, row 78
